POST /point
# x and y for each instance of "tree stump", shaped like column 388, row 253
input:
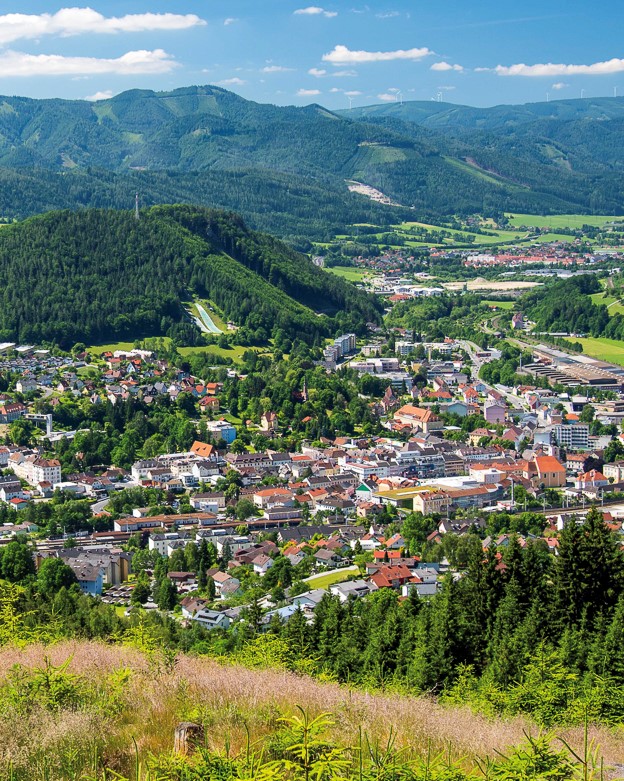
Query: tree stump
column 188, row 736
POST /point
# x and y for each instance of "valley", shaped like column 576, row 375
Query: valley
column 316, row 455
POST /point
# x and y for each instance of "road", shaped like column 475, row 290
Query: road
column 515, row 401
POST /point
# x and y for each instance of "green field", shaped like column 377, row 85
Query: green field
column 500, row 304
column 98, row 349
column 614, row 305
column 603, row 349
column 412, row 239
column 545, row 238
column 463, row 237
column 559, row 220
column 235, row 352
column 347, row 272
column 327, row 579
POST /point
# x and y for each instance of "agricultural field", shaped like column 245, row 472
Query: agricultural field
column 462, row 236
column 602, row 348
column 415, row 235
column 546, row 238
column 559, row 220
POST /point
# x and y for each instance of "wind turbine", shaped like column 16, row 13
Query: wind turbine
column 439, row 97
column 548, row 97
column 350, row 102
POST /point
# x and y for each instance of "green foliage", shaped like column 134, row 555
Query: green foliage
column 154, row 265
column 54, row 575
column 566, row 305
column 16, row 561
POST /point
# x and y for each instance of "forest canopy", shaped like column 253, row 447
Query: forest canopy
column 99, row 275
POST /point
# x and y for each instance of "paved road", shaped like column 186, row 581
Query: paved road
column 97, row 507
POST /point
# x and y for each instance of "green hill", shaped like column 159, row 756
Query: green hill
column 285, row 169
column 558, row 150
column 99, row 275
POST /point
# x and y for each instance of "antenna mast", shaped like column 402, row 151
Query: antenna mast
column 136, row 207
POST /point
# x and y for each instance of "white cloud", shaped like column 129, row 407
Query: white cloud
column 308, row 93
column 556, row 69
column 78, row 21
column 103, row 95
column 230, row 20
column 446, row 66
column 315, row 10
column 132, row 63
column 233, row 82
column 387, row 96
column 387, row 14
column 351, row 93
column 341, row 74
column 318, row 72
column 341, row 55
column 560, row 85
column 275, row 69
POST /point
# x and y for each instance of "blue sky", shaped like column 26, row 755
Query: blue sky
column 476, row 52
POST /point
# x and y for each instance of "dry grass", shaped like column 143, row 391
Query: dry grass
column 228, row 699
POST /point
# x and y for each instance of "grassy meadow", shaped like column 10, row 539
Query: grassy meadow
column 235, row 352
column 116, row 708
column 348, row 273
column 559, row 220
column 603, row 349
column 614, row 305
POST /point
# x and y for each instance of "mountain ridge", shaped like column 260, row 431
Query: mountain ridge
column 196, row 144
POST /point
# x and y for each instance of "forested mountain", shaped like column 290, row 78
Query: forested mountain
column 95, row 274
column 434, row 114
column 552, row 148
column 286, row 168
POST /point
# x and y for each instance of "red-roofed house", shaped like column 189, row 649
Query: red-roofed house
column 392, row 576
column 422, row 419
column 590, row 481
column 547, row 471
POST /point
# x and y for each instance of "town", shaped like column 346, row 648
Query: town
column 235, row 518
